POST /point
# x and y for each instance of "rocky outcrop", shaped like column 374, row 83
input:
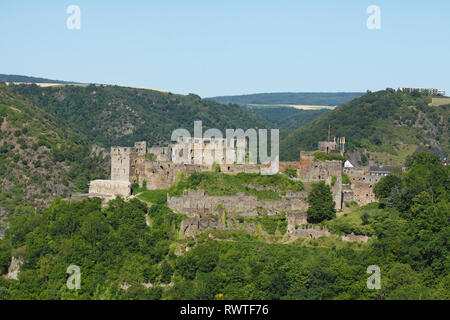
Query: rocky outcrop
column 354, row 238
column 14, row 268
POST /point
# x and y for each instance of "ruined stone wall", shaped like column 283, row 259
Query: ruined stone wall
column 310, row 170
column 162, row 174
column 362, row 186
column 327, row 146
column 308, row 232
column 196, row 203
column 347, row 193
column 336, row 190
column 354, row 238
column 237, row 168
column 140, row 148
column 289, row 164
column 161, row 153
column 110, row 188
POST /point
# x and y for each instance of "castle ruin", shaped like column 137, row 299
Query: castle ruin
column 157, row 169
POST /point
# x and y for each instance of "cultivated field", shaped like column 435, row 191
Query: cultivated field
column 302, row 107
column 440, row 101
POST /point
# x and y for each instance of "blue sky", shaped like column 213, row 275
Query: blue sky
column 230, row 47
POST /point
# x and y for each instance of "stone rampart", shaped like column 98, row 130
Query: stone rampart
column 110, row 188
column 196, row 203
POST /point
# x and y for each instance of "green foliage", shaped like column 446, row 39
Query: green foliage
column 333, row 180
column 111, row 245
column 105, row 113
column 216, row 167
column 415, row 227
column 220, row 184
column 40, row 156
column 292, row 98
column 346, row 179
column 288, row 118
column 321, row 156
column 290, row 172
column 321, row 204
column 384, row 187
column 154, row 196
column 423, row 158
column 380, row 122
column 149, row 156
column 358, row 221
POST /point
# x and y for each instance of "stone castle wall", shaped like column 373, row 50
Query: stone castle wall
column 161, row 153
column 362, row 186
column 354, row 238
column 109, row 188
column 327, row 146
column 196, row 203
column 162, row 174
column 309, row 232
column 311, row 170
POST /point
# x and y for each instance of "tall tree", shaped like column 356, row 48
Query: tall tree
column 321, row 204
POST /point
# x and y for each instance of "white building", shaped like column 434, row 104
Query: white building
column 432, row 91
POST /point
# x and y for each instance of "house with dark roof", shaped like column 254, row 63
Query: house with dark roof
column 380, row 170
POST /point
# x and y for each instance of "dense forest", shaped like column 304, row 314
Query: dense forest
column 28, row 79
column 40, row 157
column 295, row 98
column 120, row 257
column 113, row 115
column 385, row 122
column 285, row 118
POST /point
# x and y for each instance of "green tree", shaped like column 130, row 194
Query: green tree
column 321, row 204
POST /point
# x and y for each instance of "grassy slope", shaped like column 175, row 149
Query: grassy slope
column 388, row 124
column 113, row 115
column 39, row 157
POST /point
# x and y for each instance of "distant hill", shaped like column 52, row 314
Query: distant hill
column 113, row 115
column 385, row 126
column 27, row 79
column 40, row 155
column 288, row 118
column 292, row 98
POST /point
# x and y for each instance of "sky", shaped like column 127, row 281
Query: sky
column 213, row 47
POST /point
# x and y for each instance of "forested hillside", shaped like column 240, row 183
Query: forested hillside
column 113, row 115
column 19, row 78
column 295, row 98
column 288, row 118
column 389, row 125
column 40, row 157
column 120, row 257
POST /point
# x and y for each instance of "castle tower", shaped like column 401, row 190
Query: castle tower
column 140, row 148
column 120, row 163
